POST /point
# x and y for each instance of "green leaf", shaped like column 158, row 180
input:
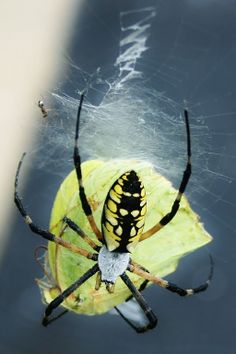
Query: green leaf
column 160, row 254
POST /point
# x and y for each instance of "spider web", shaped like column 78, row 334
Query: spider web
column 134, row 107
column 185, row 52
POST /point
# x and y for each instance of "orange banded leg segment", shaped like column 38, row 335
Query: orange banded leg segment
column 77, row 162
column 186, row 175
column 50, row 237
column 81, row 233
column 136, row 269
column 44, row 233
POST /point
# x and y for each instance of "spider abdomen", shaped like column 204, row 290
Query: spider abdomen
column 124, row 213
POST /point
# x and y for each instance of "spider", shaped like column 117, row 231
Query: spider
column 43, row 108
column 122, row 225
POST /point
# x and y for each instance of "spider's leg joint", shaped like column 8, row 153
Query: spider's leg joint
column 28, row 220
column 98, row 281
column 175, row 289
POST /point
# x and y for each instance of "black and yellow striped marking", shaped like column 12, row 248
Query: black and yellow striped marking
column 124, row 213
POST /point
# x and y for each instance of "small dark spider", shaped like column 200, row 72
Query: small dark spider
column 122, row 226
column 43, row 108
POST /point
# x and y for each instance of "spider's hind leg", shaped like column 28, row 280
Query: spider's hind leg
column 77, row 162
column 183, row 184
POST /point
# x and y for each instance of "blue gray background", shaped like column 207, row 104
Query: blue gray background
column 192, row 56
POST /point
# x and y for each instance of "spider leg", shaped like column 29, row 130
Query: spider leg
column 44, row 233
column 131, row 298
column 186, row 175
column 140, row 289
column 77, row 162
column 59, row 299
column 81, row 233
column 130, row 323
column 62, row 313
column 136, row 269
column 142, row 303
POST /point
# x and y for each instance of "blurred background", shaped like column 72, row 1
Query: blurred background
column 183, row 53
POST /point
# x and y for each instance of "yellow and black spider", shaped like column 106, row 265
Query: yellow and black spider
column 122, row 225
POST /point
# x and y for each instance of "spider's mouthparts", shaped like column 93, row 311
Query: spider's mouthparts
column 110, row 287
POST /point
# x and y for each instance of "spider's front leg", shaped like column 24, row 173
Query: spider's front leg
column 151, row 317
column 59, row 299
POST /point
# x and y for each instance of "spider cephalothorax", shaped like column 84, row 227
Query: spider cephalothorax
column 122, row 224
column 111, row 266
